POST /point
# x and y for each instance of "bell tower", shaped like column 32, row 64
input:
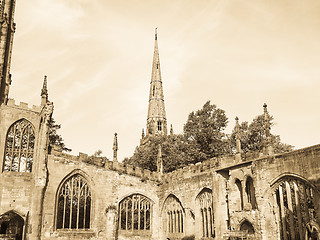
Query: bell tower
column 7, row 29
column 156, row 120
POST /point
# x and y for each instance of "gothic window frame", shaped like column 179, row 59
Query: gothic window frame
column 250, row 192
column 63, row 192
column 174, row 217
column 238, row 184
column 205, row 214
column 19, row 147
column 294, row 197
column 135, row 215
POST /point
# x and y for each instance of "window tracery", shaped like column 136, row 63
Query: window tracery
column 173, row 213
column 296, row 203
column 206, row 213
column 74, row 204
column 135, row 213
column 19, row 148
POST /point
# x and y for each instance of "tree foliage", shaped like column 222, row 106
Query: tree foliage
column 54, row 138
column 203, row 138
column 204, row 131
column 253, row 137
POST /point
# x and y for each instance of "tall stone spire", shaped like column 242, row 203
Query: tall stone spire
column 156, row 120
column 7, row 29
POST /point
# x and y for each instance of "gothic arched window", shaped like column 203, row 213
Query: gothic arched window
column 74, row 204
column 159, row 126
column 250, row 191
column 19, row 147
column 173, row 214
column 239, row 186
column 206, row 213
column 297, row 203
column 135, row 213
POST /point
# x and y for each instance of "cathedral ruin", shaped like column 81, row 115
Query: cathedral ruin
column 53, row 195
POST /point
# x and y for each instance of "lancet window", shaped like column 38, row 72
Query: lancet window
column 206, row 213
column 19, row 147
column 239, row 186
column 250, row 191
column 296, row 203
column 174, row 216
column 74, row 204
column 159, row 125
column 135, row 213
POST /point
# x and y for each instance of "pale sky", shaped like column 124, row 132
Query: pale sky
column 98, row 57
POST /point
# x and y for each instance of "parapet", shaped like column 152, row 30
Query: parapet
column 121, row 168
column 11, row 103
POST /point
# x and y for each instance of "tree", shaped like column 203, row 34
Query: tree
column 97, row 159
column 54, row 138
column 173, row 148
column 204, row 132
column 253, row 137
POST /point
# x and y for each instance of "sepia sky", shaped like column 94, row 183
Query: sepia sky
column 237, row 54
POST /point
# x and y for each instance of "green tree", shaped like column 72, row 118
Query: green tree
column 54, row 138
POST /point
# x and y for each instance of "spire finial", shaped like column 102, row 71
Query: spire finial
column 238, row 142
column 267, row 127
column 142, row 134
column 156, row 33
column 44, row 91
column 171, row 130
column 115, row 147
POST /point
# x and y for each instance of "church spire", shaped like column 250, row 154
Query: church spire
column 156, row 120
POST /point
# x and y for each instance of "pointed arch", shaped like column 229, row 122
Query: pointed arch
column 74, row 202
column 205, row 213
column 250, row 192
column 173, row 215
column 296, row 201
column 135, row 214
column 19, row 147
column 246, row 225
column 238, row 183
column 11, row 225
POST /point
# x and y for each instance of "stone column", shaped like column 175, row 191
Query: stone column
column 112, row 222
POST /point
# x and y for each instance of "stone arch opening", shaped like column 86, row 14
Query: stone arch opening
column 296, row 203
column 19, row 147
column 11, row 226
column 74, row 200
column 250, row 192
column 247, row 226
column 173, row 215
column 205, row 214
column 239, row 186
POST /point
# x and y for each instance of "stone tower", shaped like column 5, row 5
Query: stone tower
column 156, row 120
column 7, row 29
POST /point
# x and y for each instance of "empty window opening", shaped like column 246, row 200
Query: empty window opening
column 153, row 90
column 239, row 186
column 159, row 126
column 135, row 213
column 250, row 191
column 247, row 226
column 206, row 213
column 74, row 204
column 11, row 226
column 19, row 147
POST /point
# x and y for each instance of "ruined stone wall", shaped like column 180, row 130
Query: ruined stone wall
column 16, row 188
column 108, row 188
